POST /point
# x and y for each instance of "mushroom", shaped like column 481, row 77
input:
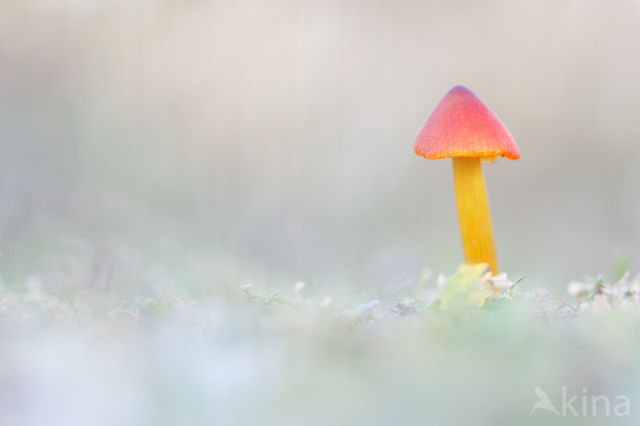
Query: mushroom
column 464, row 128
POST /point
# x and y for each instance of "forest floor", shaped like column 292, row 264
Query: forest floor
column 463, row 349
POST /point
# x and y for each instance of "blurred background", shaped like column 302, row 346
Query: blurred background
column 209, row 144
column 156, row 155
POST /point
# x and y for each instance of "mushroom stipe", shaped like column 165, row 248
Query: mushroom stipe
column 473, row 212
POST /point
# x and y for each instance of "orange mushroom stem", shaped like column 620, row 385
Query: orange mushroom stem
column 463, row 128
column 473, row 212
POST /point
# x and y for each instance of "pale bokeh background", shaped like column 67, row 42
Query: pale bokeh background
column 155, row 155
column 210, row 144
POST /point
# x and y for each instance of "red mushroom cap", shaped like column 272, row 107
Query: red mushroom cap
column 463, row 126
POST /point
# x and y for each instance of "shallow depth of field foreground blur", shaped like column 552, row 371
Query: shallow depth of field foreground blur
column 156, row 157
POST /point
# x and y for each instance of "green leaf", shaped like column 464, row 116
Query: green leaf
column 468, row 288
